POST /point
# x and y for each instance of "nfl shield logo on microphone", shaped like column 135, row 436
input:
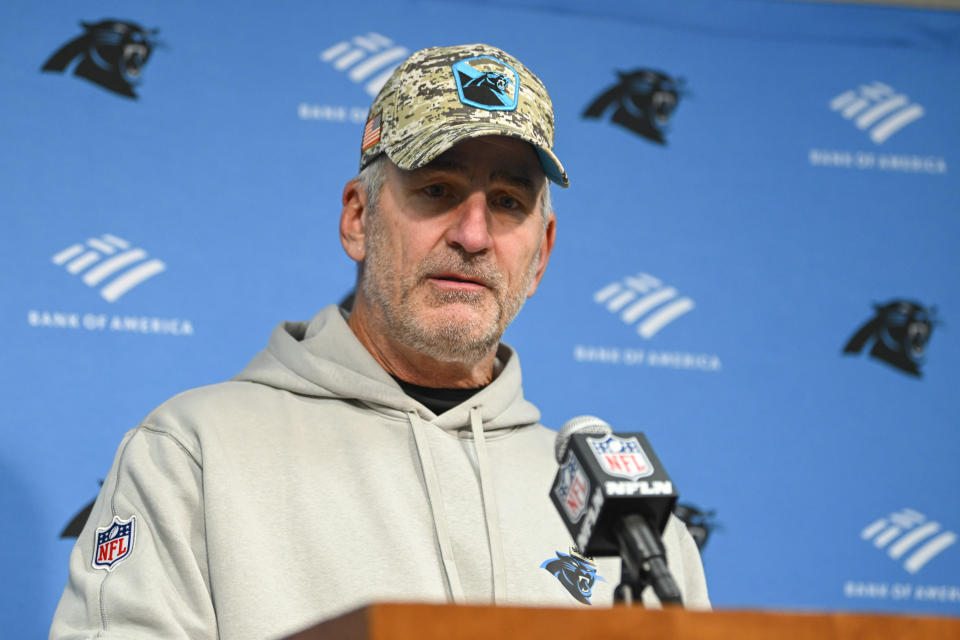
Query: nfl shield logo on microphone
column 572, row 488
column 113, row 544
column 622, row 457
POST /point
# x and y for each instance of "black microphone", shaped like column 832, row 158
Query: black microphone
column 615, row 498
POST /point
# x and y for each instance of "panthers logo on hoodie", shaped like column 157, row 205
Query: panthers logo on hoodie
column 111, row 54
column 575, row 572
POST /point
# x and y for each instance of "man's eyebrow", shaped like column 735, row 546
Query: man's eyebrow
column 516, row 179
column 445, row 164
column 519, row 179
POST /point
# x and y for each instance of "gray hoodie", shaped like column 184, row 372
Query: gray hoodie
column 310, row 485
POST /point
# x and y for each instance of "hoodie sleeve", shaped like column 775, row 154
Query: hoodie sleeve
column 139, row 567
column 687, row 565
column 696, row 581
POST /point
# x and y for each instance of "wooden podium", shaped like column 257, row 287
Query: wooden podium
column 436, row 622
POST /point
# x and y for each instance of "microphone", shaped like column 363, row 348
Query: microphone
column 615, row 498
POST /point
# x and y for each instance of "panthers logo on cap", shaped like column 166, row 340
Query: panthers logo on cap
column 487, row 83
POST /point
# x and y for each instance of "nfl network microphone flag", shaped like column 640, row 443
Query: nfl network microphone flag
column 603, row 478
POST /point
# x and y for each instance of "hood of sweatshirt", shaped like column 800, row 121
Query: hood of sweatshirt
column 324, row 359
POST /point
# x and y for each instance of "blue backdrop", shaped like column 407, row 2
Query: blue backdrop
column 763, row 180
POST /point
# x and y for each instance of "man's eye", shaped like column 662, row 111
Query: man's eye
column 507, row 202
column 435, row 190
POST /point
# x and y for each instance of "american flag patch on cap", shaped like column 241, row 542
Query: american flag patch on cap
column 371, row 132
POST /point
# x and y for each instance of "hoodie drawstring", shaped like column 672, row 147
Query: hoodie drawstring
column 487, row 495
column 492, row 516
column 436, row 507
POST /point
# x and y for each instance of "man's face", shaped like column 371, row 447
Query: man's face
column 454, row 248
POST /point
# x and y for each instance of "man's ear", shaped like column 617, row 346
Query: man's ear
column 546, row 248
column 353, row 220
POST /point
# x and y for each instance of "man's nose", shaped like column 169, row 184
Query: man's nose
column 471, row 228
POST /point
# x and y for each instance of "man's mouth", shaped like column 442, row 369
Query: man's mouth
column 456, row 281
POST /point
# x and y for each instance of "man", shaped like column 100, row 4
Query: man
column 387, row 454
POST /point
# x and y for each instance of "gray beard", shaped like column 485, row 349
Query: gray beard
column 452, row 340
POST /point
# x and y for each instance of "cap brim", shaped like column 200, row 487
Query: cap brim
column 552, row 167
column 440, row 140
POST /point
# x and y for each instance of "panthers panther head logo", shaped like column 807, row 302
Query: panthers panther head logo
column 900, row 331
column 486, row 83
column 111, row 54
column 488, row 88
column 642, row 101
column 575, row 573
column 700, row 522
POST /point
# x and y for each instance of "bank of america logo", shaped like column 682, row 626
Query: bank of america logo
column 111, row 262
column 370, row 59
column 908, row 535
column 645, row 301
column 878, row 109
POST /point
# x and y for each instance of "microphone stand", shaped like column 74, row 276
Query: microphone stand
column 643, row 563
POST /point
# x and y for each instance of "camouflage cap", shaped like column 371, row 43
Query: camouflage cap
column 443, row 95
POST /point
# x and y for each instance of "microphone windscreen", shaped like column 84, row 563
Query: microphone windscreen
column 591, row 425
